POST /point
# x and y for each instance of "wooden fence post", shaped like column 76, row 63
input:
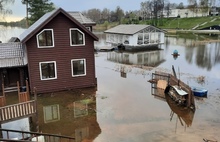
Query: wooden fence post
column 36, row 116
column 2, row 98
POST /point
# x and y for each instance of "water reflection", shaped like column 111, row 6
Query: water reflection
column 183, row 115
column 71, row 113
column 51, row 113
column 204, row 54
column 146, row 58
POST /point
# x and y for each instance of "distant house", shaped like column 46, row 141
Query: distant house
column 56, row 53
column 88, row 23
column 135, row 36
column 184, row 13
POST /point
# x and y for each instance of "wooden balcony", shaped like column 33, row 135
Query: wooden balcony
column 17, row 111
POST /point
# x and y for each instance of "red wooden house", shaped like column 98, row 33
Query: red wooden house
column 58, row 53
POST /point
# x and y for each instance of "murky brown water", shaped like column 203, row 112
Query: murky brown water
column 123, row 109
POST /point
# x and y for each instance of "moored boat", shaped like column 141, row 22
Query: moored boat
column 177, row 94
column 199, row 92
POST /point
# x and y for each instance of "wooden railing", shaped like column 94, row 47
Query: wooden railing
column 34, row 136
column 16, row 111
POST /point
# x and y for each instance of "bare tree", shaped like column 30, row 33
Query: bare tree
column 105, row 14
column 144, row 10
column 94, row 14
column 157, row 7
column 180, row 6
column 3, row 10
column 204, row 6
column 167, row 9
column 119, row 13
column 193, row 6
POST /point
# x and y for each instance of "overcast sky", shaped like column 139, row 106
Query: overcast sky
column 81, row 5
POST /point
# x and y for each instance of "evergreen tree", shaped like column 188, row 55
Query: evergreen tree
column 37, row 8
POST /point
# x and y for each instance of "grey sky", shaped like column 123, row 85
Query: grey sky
column 81, row 5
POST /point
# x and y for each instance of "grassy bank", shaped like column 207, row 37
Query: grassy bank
column 172, row 24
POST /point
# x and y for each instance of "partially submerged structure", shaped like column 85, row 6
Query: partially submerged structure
column 169, row 79
column 56, row 53
column 135, row 36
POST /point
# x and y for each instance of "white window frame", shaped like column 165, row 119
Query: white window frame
column 41, row 33
column 72, row 67
column 71, row 37
column 55, row 66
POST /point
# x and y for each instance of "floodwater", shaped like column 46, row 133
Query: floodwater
column 122, row 107
column 130, row 112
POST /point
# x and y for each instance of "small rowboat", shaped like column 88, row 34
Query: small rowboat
column 199, row 92
column 175, row 54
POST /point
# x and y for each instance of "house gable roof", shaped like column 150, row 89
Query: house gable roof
column 81, row 18
column 45, row 19
column 129, row 29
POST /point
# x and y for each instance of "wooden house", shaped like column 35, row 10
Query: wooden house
column 135, row 36
column 56, row 53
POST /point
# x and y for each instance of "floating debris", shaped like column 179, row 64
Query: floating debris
column 201, row 79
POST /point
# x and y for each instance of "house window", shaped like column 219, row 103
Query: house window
column 48, row 70
column 76, row 37
column 45, row 38
column 78, row 67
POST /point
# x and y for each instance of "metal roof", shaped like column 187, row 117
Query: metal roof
column 40, row 23
column 12, row 54
column 128, row 29
column 36, row 24
column 81, row 18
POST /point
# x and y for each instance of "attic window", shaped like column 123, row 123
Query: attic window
column 76, row 37
column 45, row 38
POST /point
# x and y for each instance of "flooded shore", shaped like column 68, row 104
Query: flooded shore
column 132, row 114
column 123, row 108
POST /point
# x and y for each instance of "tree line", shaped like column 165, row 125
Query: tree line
column 150, row 9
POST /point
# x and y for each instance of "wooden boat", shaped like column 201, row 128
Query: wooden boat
column 199, row 92
column 177, row 94
column 184, row 114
